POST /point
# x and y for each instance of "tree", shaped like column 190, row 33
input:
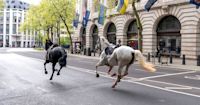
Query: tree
column 1, row 4
column 64, row 9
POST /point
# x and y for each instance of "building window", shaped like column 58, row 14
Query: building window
column 13, row 1
column 14, row 29
column 169, row 37
column 1, row 40
column 14, row 17
column 83, row 39
column 1, row 28
column 1, row 19
column 7, row 28
column 132, row 36
column 7, row 40
column 111, row 33
column 94, row 37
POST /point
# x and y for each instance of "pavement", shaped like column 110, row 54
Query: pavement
column 177, row 62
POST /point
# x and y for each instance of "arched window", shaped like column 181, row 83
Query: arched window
column 132, row 35
column 94, row 36
column 168, row 35
column 83, row 39
column 111, row 33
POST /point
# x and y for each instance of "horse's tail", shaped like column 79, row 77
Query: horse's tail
column 145, row 65
column 62, row 60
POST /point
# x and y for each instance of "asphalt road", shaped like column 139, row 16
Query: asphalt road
column 23, row 82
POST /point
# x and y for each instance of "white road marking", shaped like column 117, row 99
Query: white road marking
column 165, row 75
column 177, row 85
column 181, row 88
column 137, row 82
column 42, row 89
column 196, row 77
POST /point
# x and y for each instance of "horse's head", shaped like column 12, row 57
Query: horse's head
column 102, row 43
column 48, row 43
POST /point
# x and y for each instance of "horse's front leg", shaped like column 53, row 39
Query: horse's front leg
column 59, row 70
column 110, row 68
column 45, row 70
column 53, row 70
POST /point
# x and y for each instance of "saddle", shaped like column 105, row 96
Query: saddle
column 109, row 50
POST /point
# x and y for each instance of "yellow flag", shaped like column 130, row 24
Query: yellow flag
column 125, row 5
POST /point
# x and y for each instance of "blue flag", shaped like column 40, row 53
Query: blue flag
column 195, row 2
column 102, row 14
column 75, row 21
column 86, row 18
column 149, row 4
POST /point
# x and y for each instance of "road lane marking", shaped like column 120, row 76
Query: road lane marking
column 172, row 84
column 137, row 80
column 196, row 77
column 42, row 89
column 165, row 75
column 179, row 88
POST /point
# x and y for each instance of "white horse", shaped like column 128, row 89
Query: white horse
column 121, row 57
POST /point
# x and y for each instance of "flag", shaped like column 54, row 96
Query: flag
column 149, row 4
column 122, row 5
column 195, row 2
column 76, row 20
column 102, row 14
column 86, row 18
column 84, row 7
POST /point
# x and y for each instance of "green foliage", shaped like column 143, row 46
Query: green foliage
column 1, row 4
column 64, row 41
column 48, row 15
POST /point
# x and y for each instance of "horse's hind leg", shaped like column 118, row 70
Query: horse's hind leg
column 126, row 71
column 45, row 70
column 59, row 70
column 53, row 70
column 118, row 77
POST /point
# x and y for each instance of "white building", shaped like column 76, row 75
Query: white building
column 172, row 24
column 11, row 17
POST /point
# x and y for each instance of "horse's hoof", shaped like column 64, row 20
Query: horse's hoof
column 58, row 73
column 46, row 72
column 113, row 86
column 114, row 74
column 50, row 78
column 97, row 75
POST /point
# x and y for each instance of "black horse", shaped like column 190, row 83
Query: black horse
column 54, row 54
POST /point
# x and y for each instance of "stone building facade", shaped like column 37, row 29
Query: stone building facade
column 170, row 25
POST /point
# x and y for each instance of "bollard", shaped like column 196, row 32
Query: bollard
column 84, row 51
column 94, row 52
column 148, row 57
column 183, row 62
column 88, row 52
column 198, row 60
column 159, row 56
column 171, row 60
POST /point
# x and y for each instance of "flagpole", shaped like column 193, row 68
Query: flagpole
column 139, row 25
